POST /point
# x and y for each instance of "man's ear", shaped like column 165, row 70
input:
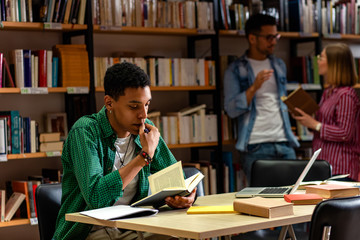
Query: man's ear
column 251, row 38
column 108, row 102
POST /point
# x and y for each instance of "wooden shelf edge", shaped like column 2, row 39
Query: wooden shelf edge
column 39, row 26
column 239, row 33
column 57, row 90
column 9, row 90
column 22, row 26
column 15, row 222
column 189, row 145
column 26, row 155
column 17, row 90
column 147, row 30
column 338, row 36
column 180, row 88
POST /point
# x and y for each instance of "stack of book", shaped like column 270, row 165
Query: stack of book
column 74, row 65
column 50, row 142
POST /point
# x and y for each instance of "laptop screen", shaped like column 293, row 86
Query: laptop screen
column 305, row 171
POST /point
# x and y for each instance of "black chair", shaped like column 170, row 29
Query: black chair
column 189, row 171
column 48, row 202
column 275, row 173
column 336, row 219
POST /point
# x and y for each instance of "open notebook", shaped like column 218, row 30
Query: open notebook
column 277, row 191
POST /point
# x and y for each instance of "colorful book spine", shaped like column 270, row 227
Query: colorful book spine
column 1, row 69
column 42, row 68
column 27, row 68
column 14, row 117
column 55, row 71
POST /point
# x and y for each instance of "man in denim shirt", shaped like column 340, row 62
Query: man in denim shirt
column 253, row 86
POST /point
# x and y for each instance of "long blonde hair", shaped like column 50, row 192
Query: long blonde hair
column 341, row 65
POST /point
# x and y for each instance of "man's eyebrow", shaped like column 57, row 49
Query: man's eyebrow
column 135, row 101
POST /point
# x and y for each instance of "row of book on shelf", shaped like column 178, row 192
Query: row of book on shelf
column 65, row 65
column 66, row 11
column 301, row 69
column 191, row 125
column 164, row 71
column 305, row 69
column 21, row 134
column 296, row 15
column 340, row 17
column 151, row 13
column 68, row 66
column 18, row 199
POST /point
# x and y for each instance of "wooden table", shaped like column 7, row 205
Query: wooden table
column 198, row 226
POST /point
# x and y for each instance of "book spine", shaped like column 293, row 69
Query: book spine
column 49, row 58
column 42, row 68
column 18, row 61
column 55, row 70
column 15, row 132
column 1, row 69
column 27, row 68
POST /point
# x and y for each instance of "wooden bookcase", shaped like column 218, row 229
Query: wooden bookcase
column 148, row 41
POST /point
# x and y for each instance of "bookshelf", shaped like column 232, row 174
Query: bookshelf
column 32, row 35
column 169, row 42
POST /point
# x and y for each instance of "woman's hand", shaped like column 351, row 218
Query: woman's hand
column 305, row 119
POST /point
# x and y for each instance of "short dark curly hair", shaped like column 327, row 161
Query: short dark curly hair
column 124, row 75
column 256, row 21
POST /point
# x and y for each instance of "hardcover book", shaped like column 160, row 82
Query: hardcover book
column 333, row 190
column 22, row 187
column 303, row 199
column 51, row 146
column 49, row 137
column 300, row 99
column 13, row 204
column 2, row 205
column 211, row 209
column 264, row 207
column 169, row 182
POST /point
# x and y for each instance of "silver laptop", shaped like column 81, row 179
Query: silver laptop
column 277, row 191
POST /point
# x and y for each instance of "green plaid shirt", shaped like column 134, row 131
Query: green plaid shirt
column 88, row 181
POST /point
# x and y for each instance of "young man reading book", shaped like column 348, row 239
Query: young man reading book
column 108, row 156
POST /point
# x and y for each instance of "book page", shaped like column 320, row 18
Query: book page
column 193, row 181
column 118, row 212
column 170, row 177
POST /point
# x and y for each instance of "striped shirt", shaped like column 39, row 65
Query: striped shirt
column 340, row 130
column 89, row 181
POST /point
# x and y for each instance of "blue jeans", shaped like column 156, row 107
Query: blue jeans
column 263, row 151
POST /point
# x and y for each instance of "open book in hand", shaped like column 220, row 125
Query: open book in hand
column 167, row 183
column 119, row 212
column 300, row 99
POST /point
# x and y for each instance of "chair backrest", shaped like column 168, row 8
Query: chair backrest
column 48, row 202
column 341, row 214
column 189, row 171
column 274, row 173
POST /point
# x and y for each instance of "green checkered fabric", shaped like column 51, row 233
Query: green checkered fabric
column 88, row 181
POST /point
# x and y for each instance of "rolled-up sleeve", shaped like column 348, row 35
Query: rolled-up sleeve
column 235, row 102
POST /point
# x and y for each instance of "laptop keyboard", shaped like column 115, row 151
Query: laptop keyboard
column 274, row 190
